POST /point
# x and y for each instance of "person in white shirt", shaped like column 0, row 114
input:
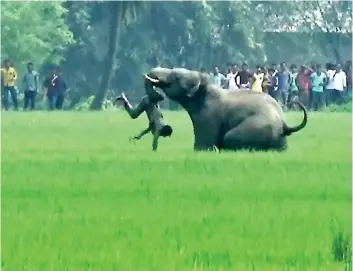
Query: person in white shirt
column 339, row 84
column 231, row 77
column 329, row 89
column 217, row 77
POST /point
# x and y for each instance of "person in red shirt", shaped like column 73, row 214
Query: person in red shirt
column 304, row 84
column 311, row 70
column 48, row 84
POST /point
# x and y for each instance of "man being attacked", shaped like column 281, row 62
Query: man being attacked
column 156, row 126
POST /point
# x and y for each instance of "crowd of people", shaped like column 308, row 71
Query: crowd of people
column 54, row 84
column 313, row 86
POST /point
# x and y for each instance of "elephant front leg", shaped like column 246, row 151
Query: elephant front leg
column 205, row 140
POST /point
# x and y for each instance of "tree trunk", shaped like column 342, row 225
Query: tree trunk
column 335, row 45
column 116, row 9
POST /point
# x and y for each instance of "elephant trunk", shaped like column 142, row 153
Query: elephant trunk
column 149, row 88
column 157, row 77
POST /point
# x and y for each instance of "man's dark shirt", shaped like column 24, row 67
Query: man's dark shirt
column 59, row 85
column 48, row 85
column 244, row 77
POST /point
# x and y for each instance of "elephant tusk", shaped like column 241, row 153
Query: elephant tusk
column 151, row 79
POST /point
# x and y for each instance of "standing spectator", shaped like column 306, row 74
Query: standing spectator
column 60, row 89
column 273, row 88
column 31, row 86
column 48, row 84
column 303, row 83
column 339, row 84
column 275, row 68
column 217, row 77
column 283, row 84
column 266, row 83
column 318, row 80
column 293, row 87
column 9, row 75
column 311, row 70
column 348, row 72
column 244, row 77
column 257, row 80
column 329, row 89
column 231, row 82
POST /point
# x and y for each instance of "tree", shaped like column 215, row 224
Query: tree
column 34, row 31
column 120, row 12
column 330, row 20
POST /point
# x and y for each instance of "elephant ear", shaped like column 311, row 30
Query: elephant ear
column 190, row 83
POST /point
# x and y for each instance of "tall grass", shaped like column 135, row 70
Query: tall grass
column 77, row 196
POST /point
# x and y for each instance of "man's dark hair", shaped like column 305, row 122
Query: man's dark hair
column 318, row 66
column 293, row 66
column 166, row 131
column 29, row 64
column 258, row 66
column 283, row 63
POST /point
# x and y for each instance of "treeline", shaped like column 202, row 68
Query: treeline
column 105, row 47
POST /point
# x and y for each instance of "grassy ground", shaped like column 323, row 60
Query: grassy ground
column 77, row 196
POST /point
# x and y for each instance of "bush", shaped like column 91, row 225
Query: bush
column 341, row 246
column 85, row 105
column 346, row 107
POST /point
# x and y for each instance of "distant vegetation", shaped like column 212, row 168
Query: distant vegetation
column 104, row 47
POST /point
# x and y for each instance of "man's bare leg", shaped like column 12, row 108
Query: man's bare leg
column 134, row 112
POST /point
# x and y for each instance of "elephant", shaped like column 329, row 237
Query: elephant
column 222, row 119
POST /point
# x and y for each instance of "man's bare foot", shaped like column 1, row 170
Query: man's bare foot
column 121, row 97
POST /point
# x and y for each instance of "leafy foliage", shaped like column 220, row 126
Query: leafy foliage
column 196, row 34
column 35, row 32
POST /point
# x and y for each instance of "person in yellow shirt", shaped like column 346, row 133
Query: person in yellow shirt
column 257, row 79
column 9, row 77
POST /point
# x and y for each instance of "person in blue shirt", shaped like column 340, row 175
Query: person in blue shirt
column 284, row 79
column 31, row 86
column 318, row 81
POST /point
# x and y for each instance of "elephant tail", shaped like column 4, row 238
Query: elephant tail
column 289, row 130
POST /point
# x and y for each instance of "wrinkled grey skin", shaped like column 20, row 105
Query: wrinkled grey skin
column 222, row 119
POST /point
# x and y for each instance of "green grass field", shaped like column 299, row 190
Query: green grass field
column 76, row 195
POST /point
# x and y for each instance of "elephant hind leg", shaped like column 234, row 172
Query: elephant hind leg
column 254, row 134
